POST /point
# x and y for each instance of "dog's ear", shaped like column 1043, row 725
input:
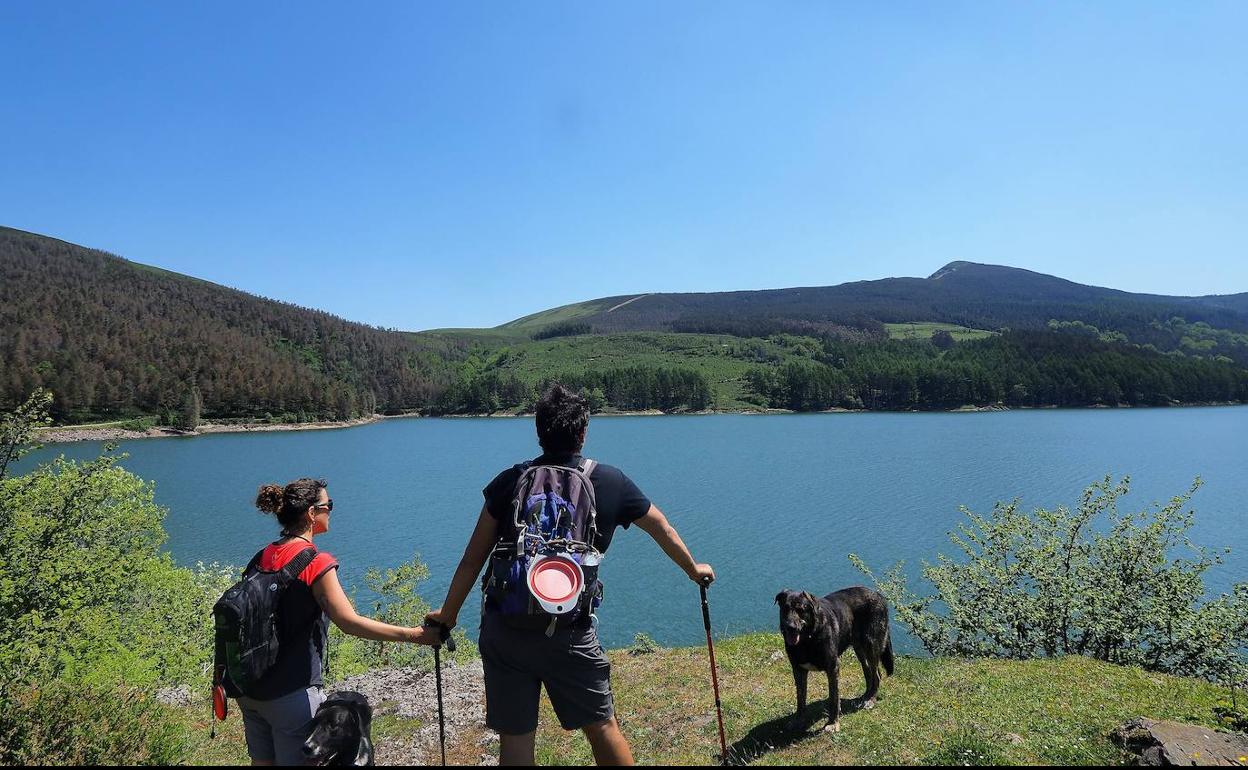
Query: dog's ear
column 364, row 754
column 780, row 597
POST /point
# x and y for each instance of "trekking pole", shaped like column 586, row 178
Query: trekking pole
column 445, row 634
column 710, row 646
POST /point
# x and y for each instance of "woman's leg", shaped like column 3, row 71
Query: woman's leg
column 258, row 732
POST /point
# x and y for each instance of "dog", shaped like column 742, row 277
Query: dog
column 342, row 732
column 816, row 632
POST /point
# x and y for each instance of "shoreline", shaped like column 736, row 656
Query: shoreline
column 69, row 434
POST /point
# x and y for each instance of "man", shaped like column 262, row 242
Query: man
column 569, row 661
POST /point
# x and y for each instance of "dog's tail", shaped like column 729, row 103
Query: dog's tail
column 887, row 657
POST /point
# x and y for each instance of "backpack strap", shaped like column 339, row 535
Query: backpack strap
column 587, row 467
column 254, row 564
column 299, row 563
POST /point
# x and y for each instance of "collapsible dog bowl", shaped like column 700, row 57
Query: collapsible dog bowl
column 556, row 582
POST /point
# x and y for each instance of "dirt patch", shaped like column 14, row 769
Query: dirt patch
column 410, row 694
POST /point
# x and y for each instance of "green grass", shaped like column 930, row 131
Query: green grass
column 923, row 330
column 724, row 360
column 531, row 323
column 933, row 711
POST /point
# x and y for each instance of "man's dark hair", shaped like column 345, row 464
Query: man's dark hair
column 562, row 416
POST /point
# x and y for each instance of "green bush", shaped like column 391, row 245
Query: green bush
column 70, row 724
column 1126, row 588
column 86, row 593
column 140, row 424
column 396, row 601
column 642, row 644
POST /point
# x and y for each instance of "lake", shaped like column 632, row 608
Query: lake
column 770, row 501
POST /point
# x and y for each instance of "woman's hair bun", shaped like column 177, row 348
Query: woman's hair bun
column 269, row 499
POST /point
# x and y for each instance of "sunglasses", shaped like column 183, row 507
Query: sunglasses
column 328, row 505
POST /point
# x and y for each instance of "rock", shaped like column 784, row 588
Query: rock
column 175, row 696
column 1014, row 738
column 1161, row 743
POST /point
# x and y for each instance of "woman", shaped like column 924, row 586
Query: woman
column 278, row 715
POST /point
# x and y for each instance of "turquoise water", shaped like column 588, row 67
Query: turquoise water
column 771, row 502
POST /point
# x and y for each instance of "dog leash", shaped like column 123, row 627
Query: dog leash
column 445, row 633
column 710, row 646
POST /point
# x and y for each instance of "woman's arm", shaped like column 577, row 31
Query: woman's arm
column 479, row 547
column 329, row 594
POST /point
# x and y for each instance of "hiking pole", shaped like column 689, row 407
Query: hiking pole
column 445, row 634
column 710, row 646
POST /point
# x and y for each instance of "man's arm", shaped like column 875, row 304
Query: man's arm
column 479, row 547
column 655, row 524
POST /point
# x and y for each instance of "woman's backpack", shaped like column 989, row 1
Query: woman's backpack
column 247, row 619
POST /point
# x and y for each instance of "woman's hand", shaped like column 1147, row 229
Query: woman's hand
column 425, row 635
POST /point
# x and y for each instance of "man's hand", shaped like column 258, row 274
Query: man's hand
column 702, row 573
column 439, row 619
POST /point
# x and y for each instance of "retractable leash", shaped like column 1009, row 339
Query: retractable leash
column 445, row 633
column 710, row 646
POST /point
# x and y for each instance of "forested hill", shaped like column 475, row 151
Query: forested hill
column 962, row 293
column 112, row 337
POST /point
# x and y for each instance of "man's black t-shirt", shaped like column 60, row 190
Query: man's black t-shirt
column 619, row 501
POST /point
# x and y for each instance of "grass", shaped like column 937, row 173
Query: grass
column 723, row 359
column 923, row 330
column 934, row 711
column 531, row 323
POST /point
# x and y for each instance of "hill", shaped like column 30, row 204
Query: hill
column 966, row 294
column 113, row 338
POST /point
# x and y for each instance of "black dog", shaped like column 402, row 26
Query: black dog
column 341, row 735
column 816, row 632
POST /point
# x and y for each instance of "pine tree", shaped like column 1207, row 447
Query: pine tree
column 188, row 418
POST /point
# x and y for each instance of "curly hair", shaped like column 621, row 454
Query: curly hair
column 289, row 503
column 562, row 417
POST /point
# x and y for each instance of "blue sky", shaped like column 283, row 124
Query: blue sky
column 417, row 165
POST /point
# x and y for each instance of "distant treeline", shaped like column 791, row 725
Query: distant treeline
column 112, row 338
column 850, row 329
column 628, row 388
column 564, row 329
column 1020, row 368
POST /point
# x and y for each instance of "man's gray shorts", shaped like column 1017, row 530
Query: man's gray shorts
column 518, row 662
column 276, row 729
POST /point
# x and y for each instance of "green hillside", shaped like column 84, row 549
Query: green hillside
column 923, row 330
column 116, row 340
column 725, row 361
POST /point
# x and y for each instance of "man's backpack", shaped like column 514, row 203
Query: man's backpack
column 248, row 622
column 555, row 519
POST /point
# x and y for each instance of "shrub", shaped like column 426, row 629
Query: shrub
column 1121, row 587
column 140, row 424
column 70, row 724
column 643, row 644
column 396, row 601
column 86, row 592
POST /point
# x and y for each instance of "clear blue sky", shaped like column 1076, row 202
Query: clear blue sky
column 416, row 164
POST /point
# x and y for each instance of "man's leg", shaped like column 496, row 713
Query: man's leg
column 516, row 750
column 608, row 743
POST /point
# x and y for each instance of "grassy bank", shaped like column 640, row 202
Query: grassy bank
column 934, row 711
